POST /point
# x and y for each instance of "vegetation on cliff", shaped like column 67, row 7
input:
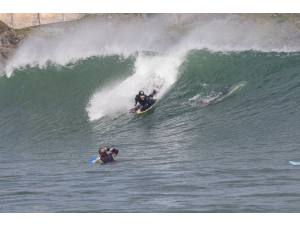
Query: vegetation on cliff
column 9, row 40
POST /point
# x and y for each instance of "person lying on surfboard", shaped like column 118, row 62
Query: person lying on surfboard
column 143, row 102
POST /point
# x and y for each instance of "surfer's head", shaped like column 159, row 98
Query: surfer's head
column 102, row 150
column 142, row 95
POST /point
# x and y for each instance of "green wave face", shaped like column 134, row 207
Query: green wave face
column 64, row 94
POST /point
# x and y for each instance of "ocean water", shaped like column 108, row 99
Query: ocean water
column 68, row 90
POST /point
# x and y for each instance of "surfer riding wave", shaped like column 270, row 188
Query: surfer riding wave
column 143, row 101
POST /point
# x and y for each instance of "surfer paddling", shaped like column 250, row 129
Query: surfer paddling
column 107, row 154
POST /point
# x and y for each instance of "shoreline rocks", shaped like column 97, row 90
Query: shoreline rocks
column 9, row 41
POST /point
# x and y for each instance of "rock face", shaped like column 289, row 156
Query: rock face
column 9, row 41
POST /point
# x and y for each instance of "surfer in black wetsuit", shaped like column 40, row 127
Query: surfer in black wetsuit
column 107, row 154
column 143, row 101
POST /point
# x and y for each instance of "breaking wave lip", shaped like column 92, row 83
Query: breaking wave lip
column 84, row 40
column 62, row 44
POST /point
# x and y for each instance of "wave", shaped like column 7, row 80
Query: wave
column 67, row 43
column 160, row 45
column 53, row 102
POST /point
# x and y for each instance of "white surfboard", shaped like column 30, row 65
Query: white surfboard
column 294, row 163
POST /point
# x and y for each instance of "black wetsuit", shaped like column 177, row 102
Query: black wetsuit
column 146, row 103
column 108, row 155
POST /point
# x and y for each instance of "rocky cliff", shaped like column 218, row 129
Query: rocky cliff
column 9, row 40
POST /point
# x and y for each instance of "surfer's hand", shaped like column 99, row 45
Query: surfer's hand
column 133, row 109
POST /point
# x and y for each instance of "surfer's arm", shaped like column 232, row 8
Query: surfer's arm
column 113, row 150
column 136, row 100
column 135, row 108
column 154, row 92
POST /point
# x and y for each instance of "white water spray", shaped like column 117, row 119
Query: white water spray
column 63, row 44
column 152, row 72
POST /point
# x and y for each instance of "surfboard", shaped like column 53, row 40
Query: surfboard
column 139, row 112
column 93, row 160
column 294, row 163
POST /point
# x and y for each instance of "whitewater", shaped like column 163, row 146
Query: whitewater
column 69, row 87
